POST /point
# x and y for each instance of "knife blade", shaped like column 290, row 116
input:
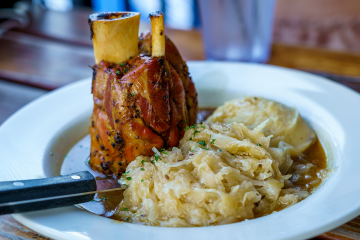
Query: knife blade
column 38, row 194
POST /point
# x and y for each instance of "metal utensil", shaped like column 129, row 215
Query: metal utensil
column 38, row 194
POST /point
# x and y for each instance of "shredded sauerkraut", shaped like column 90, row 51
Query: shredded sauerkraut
column 221, row 173
column 284, row 123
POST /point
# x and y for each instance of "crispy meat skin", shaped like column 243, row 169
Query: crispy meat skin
column 138, row 105
column 176, row 61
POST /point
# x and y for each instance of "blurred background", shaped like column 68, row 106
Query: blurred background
column 45, row 44
column 312, row 35
column 332, row 24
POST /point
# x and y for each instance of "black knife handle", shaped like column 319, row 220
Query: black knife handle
column 14, row 191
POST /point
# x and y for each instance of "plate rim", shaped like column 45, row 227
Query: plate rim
column 340, row 221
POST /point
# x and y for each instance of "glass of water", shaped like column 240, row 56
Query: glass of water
column 237, row 30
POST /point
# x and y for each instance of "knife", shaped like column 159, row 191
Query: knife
column 45, row 193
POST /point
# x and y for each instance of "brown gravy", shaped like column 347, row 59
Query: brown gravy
column 314, row 155
column 305, row 176
column 104, row 204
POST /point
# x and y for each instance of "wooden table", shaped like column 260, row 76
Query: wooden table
column 44, row 57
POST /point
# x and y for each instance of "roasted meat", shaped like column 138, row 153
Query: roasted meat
column 175, row 60
column 140, row 103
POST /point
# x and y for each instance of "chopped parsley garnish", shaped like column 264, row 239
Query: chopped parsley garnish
column 212, row 141
column 117, row 72
column 190, row 139
column 204, row 148
column 195, row 132
column 192, row 150
column 142, row 169
column 258, row 144
column 126, row 172
column 233, row 155
column 132, row 94
column 162, row 150
column 143, row 161
column 128, row 178
column 193, row 126
column 174, row 148
column 142, row 180
column 202, row 126
column 125, row 209
column 104, row 198
column 220, row 150
column 122, row 64
column 157, row 157
column 202, row 143
column 126, row 70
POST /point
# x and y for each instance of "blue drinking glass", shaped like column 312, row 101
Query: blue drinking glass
column 237, row 30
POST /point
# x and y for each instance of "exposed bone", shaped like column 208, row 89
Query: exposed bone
column 114, row 35
column 158, row 34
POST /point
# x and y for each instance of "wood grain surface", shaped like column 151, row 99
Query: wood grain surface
column 14, row 96
column 10, row 229
column 45, row 57
column 43, row 63
column 350, row 230
column 314, row 59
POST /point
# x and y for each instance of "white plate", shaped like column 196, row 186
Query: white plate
column 56, row 121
